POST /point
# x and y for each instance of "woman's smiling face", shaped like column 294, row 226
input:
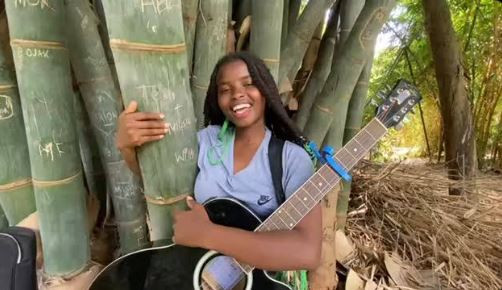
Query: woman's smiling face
column 238, row 98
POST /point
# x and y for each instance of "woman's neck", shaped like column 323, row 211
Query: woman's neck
column 251, row 134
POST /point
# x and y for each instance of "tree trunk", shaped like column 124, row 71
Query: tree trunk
column 266, row 29
column 44, row 79
column 16, row 189
column 210, row 46
column 102, row 101
column 459, row 132
column 334, row 98
column 148, row 45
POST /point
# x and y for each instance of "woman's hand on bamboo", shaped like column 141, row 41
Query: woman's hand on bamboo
column 192, row 227
column 137, row 128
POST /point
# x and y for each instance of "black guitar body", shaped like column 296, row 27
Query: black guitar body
column 174, row 267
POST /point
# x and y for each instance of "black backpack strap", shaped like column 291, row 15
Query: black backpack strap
column 275, row 160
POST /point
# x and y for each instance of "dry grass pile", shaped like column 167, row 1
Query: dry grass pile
column 447, row 242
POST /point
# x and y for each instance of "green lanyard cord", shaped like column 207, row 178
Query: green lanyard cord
column 226, row 137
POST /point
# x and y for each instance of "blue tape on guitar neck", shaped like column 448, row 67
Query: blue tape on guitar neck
column 328, row 156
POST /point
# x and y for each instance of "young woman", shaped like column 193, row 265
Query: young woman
column 242, row 110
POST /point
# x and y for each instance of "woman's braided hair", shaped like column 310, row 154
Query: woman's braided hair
column 276, row 117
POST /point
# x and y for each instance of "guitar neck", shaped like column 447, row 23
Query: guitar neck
column 301, row 202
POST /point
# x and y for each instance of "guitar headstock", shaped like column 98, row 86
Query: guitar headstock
column 403, row 97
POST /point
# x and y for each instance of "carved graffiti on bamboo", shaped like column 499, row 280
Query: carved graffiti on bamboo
column 186, row 154
column 371, row 27
column 179, row 126
column 51, row 149
column 36, row 53
column 158, row 6
column 42, row 4
column 155, row 97
column 6, row 107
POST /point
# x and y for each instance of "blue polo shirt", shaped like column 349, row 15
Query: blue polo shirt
column 252, row 185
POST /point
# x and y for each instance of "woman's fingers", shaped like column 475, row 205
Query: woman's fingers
column 152, row 132
column 141, row 116
column 146, row 139
column 149, row 125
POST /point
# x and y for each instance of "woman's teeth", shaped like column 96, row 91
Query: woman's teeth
column 240, row 107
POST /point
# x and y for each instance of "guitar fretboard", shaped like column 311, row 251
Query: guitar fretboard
column 300, row 203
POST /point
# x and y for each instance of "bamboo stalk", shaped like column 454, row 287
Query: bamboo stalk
column 94, row 173
column 3, row 219
column 16, row 190
column 210, row 46
column 320, row 72
column 348, row 64
column 148, row 46
column 298, row 39
column 190, row 9
column 44, row 79
column 294, row 11
column 352, row 126
column 266, row 29
column 285, row 21
column 102, row 100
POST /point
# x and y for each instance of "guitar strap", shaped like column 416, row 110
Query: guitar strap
column 275, row 147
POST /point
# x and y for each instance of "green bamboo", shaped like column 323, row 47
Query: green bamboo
column 285, row 19
column 94, row 173
column 44, row 79
column 102, row 101
column 349, row 11
column 190, row 9
column 3, row 219
column 16, row 190
column 149, row 49
column 320, row 72
column 210, row 46
column 294, row 12
column 334, row 98
column 266, row 29
column 298, row 40
column 352, row 126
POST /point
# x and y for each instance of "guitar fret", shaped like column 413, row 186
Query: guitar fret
column 364, row 137
column 313, row 188
column 356, row 149
column 298, row 197
column 282, row 224
column 290, row 220
column 320, row 183
column 307, row 198
column 328, row 173
column 291, row 205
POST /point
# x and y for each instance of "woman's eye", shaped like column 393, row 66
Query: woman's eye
column 248, row 85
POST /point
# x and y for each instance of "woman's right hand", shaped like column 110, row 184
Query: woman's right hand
column 137, row 128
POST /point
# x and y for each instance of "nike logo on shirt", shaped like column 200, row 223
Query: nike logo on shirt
column 263, row 199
